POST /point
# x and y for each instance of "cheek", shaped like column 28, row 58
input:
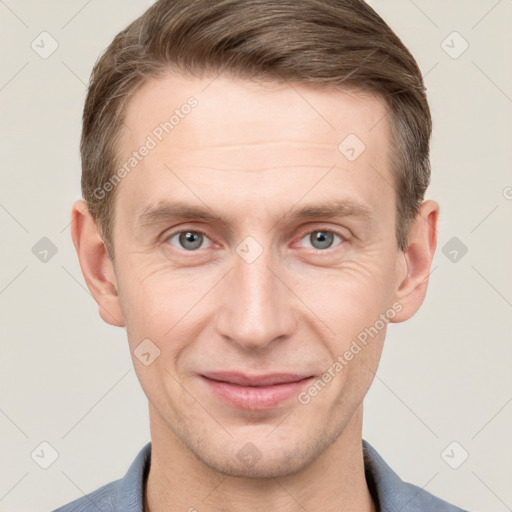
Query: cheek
column 349, row 298
column 166, row 307
column 157, row 299
column 362, row 368
column 358, row 360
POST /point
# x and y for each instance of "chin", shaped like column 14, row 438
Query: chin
column 260, row 470
column 247, row 461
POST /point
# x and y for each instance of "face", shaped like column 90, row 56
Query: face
column 253, row 252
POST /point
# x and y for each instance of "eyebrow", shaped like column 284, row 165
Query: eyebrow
column 166, row 211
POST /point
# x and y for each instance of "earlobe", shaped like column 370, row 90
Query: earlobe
column 97, row 268
column 417, row 261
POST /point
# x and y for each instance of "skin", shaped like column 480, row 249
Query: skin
column 253, row 154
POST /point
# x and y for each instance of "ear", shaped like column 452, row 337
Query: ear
column 417, row 260
column 97, row 268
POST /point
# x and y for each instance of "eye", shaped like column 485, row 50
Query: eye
column 320, row 239
column 188, row 240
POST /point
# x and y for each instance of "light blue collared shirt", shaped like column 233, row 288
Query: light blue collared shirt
column 389, row 492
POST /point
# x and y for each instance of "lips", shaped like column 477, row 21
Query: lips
column 255, row 380
column 256, row 392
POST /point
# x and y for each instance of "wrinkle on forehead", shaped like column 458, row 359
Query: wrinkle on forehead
column 252, row 133
column 298, row 112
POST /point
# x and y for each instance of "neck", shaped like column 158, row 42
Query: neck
column 179, row 481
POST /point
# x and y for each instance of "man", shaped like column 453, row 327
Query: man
column 253, row 177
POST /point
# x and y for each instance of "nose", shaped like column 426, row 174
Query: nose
column 256, row 307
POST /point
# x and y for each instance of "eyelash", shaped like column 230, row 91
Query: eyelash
column 303, row 234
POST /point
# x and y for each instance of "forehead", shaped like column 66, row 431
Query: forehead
column 251, row 136
column 265, row 108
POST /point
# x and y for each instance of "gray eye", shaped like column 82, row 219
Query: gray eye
column 189, row 240
column 321, row 239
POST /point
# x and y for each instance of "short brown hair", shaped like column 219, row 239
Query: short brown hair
column 341, row 43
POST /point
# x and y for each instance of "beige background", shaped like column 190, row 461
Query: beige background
column 66, row 377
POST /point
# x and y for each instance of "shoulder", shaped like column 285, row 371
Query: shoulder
column 105, row 499
column 393, row 494
column 412, row 498
column 123, row 495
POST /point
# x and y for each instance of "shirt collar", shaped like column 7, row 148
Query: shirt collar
column 388, row 491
